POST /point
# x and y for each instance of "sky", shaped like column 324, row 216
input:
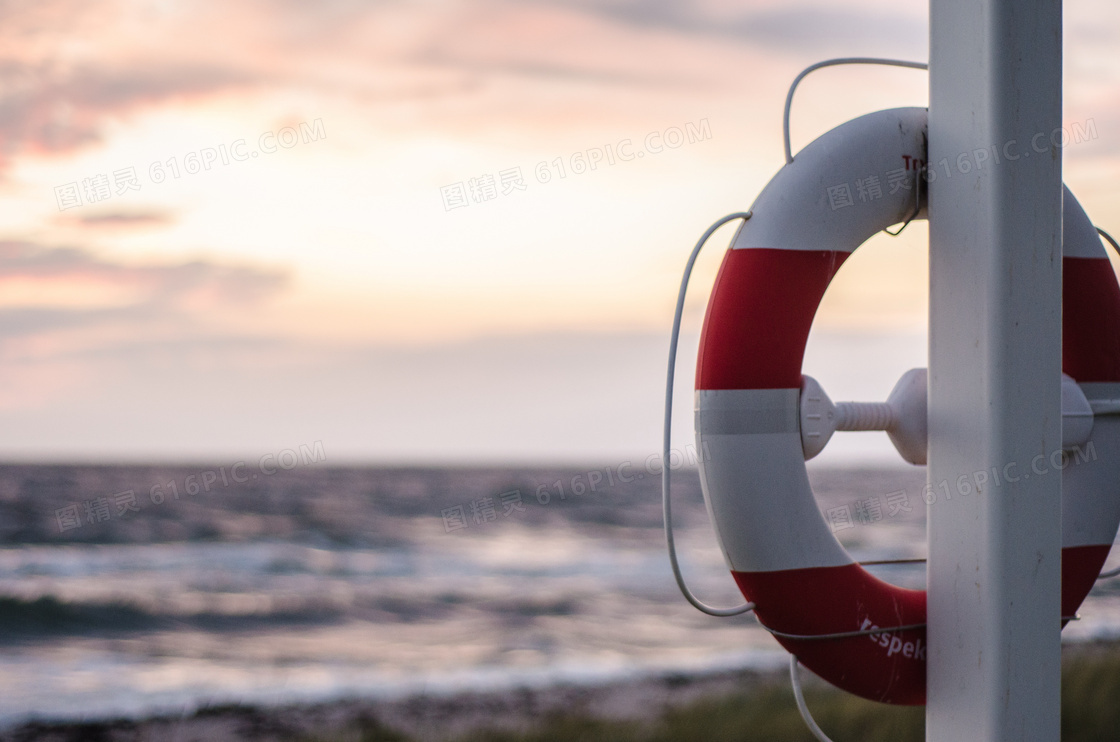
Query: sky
column 230, row 229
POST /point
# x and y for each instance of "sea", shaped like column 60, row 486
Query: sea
column 135, row 591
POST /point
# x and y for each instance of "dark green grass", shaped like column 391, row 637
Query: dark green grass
column 766, row 713
column 1091, row 697
column 1090, row 713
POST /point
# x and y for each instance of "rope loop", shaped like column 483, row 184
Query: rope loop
column 666, row 506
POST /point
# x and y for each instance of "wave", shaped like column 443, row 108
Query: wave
column 45, row 617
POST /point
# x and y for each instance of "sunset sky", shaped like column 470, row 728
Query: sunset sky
column 228, row 229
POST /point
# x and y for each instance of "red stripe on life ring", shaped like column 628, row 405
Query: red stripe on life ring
column 890, row 666
column 755, row 332
column 1090, row 320
column 1080, row 567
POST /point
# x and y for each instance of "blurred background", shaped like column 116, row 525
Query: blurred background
column 402, row 260
column 232, row 229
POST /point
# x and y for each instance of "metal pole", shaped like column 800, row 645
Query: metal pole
column 994, row 667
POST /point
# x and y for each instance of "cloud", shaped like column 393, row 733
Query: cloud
column 546, row 71
column 45, row 109
column 45, row 289
column 111, row 220
column 26, row 259
column 781, row 28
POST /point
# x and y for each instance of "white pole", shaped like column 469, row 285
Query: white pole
column 995, row 362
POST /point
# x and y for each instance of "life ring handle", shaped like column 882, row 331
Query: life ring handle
column 833, row 63
column 802, row 707
column 1108, row 238
column 666, row 504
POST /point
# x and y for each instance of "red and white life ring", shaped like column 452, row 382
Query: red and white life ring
column 805, row 223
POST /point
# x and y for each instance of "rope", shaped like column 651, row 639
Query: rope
column 1108, row 237
column 833, row 63
column 892, row 561
column 666, row 505
column 865, row 632
column 918, row 178
column 842, row 634
column 800, row 698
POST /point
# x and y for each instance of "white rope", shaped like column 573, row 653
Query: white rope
column 833, row 63
column 666, row 506
column 1108, row 237
column 1109, row 573
column 797, row 695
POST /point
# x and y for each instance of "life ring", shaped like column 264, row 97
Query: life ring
column 776, row 542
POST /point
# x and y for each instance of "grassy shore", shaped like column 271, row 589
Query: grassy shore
column 728, row 707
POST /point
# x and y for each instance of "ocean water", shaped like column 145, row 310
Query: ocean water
column 318, row 583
